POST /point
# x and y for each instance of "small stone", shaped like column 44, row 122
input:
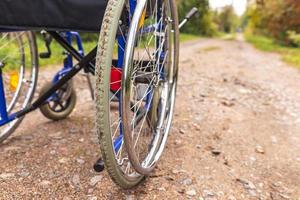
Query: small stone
column 80, row 161
column 285, row 196
column 169, row 178
column 259, row 149
column 76, row 180
column 227, row 103
column 6, row 175
column 92, row 198
column 181, row 131
column 63, row 160
column 52, row 152
column 45, row 183
column 187, row 181
column 95, row 180
column 252, row 158
column 162, row 189
column 247, row 184
column 207, row 193
column 178, row 142
column 90, row 191
column 198, row 146
column 73, row 130
column 130, row 197
column 191, row 192
column 274, row 140
column 81, row 140
column 56, row 136
column 220, row 193
column 216, row 152
column 24, row 174
column 231, row 197
column 181, row 171
column 181, row 190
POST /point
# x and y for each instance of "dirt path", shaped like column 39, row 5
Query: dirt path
column 236, row 135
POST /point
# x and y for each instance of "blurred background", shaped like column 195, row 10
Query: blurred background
column 271, row 25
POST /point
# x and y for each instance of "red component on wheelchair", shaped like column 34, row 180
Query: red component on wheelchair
column 115, row 79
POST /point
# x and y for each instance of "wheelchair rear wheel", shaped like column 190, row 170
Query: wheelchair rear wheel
column 108, row 74
column 149, row 90
column 133, row 130
column 19, row 63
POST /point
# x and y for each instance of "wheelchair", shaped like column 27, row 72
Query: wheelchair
column 135, row 66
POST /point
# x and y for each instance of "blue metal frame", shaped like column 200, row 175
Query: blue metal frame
column 3, row 110
column 68, row 61
column 68, row 64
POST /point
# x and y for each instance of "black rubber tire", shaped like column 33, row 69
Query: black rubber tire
column 56, row 116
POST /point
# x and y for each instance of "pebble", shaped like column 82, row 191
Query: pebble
column 181, row 171
column 247, row 184
column 81, row 140
column 24, row 174
column 80, row 161
column 63, row 160
column 274, row 140
column 162, row 189
column 181, row 131
column 6, row 175
column 130, row 197
column 52, row 152
column 178, row 142
column 191, row 192
column 92, row 198
column 45, row 183
column 95, row 180
column 259, row 149
column 56, row 136
column 187, row 181
column 207, row 193
column 76, row 180
column 216, row 152
column 198, row 146
column 231, row 197
column 73, row 130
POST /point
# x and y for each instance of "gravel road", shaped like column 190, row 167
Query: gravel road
column 236, row 135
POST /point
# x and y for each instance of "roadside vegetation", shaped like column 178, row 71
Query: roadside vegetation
column 274, row 26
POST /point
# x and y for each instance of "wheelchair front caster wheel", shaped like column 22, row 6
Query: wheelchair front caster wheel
column 99, row 165
column 61, row 104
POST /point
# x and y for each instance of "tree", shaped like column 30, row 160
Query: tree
column 227, row 19
column 275, row 18
column 202, row 23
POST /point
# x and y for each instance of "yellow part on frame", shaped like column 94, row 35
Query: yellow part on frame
column 14, row 81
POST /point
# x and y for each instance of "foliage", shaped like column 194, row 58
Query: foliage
column 200, row 24
column 290, row 55
column 226, row 19
column 275, row 18
column 294, row 38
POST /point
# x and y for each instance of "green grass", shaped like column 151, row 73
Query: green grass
column 231, row 36
column 57, row 56
column 188, row 37
column 290, row 55
column 209, row 49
